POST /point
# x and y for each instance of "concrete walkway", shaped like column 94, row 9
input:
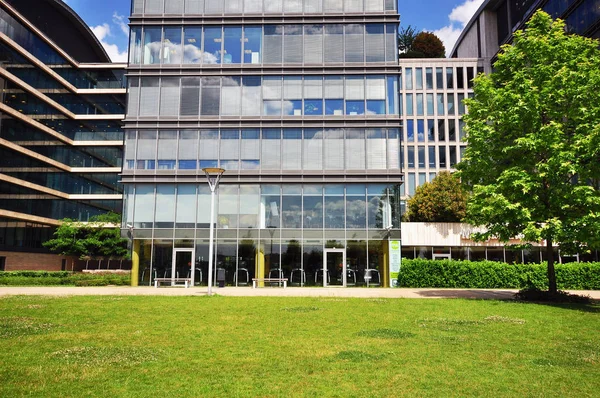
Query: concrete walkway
column 500, row 294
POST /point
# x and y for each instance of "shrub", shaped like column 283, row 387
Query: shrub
column 420, row 273
column 46, row 278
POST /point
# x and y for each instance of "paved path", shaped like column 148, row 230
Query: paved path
column 501, row 294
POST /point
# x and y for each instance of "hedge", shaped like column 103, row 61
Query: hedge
column 62, row 278
column 420, row 273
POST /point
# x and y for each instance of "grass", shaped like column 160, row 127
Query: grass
column 314, row 347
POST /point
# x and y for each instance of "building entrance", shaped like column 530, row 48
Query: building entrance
column 334, row 268
column 183, row 262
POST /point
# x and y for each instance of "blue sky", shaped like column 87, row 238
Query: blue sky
column 108, row 19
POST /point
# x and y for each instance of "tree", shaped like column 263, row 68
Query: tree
column 99, row 238
column 442, row 200
column 533, row 159
column 429, row 45
column 406, row 37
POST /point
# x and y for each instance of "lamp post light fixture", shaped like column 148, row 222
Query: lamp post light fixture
column 213, row 175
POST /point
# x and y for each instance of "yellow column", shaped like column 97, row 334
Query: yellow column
column 260, row 266
column 385, row 272
column 135, row 263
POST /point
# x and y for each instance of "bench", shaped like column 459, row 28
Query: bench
column 186, row 281
column 269, row 280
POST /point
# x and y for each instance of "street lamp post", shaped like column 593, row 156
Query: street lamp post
column 213, row 174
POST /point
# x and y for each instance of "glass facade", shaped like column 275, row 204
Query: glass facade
column 245, row 7
column 267, row 44
column 311, row 149
column 61, row 150
column 274, row 96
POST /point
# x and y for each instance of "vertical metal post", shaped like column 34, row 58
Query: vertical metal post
column 210, row 244
column 213, row 175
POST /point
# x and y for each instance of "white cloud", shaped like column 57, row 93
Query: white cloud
column 102, row 32
column 119, row 20
column 459, row 17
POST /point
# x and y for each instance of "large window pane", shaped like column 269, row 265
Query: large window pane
column 334, row 43
column 355, row 51
column 251, row 95
column 273, row 44
column 144, row 206
column 192, row 42
column 152, row 40
column 212, row 45
column 186, row 206
column 293, row 44
column 172, row 50
column 232, row 50
column 165, row 206
column 313, row 44
column 252, row 45
column 375, row 43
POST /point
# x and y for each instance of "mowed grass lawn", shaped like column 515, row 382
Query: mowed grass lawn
column 317, row 347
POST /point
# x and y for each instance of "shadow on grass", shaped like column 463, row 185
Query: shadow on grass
column 469, row 294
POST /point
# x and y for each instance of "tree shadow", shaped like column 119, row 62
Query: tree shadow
column 477, row 294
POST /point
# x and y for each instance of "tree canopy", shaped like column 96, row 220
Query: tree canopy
column 533, row 134
column 441, row 200
column 429, row 45
column 98, row 238
column 406, row 37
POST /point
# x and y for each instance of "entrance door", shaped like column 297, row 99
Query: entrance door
column 334, row 268
column 183, row 264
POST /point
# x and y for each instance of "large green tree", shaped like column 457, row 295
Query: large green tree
column 533, row 159
column 442, row 200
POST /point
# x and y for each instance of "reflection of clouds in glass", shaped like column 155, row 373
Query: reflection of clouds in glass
column 193, row 55
column 354, row 29
column 314, row 30
column 277, row 107
column 172, row 53
column 231, row 82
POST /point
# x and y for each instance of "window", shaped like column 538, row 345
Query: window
column 172, row 50
column 429, row 78
column 152, row 40
column 192, row 41
column 355, row 51
column 334, row 42
column 439, row 78
column 190, row 96
column 431, row 150
column 419, row 78
column 408, row 80
column 375, row 43
column 232, row 50
column 449, row 78
column 313, row 44
column 293, row 44
column 212, row 45
column 252, row 45
column 273, row 44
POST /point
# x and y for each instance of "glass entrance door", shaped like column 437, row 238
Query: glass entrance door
column 183, row 263
column 334, row 268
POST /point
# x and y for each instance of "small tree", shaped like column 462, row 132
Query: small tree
column 429, row 45
column 406, row 37
column 533, row 129
column 68, row 239
column 442, row 200
column 100, row 238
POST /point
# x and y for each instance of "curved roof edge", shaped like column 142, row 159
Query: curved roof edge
column 468, row 26
column 84, row 48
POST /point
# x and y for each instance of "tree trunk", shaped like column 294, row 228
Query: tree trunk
column 551, row 272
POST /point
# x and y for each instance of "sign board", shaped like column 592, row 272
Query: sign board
column 395, row 261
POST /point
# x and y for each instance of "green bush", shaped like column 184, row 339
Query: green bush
column 420, row 273
column 46, row 278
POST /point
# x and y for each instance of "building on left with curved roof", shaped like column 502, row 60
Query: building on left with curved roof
column 62, row 103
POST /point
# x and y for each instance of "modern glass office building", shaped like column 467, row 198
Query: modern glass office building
column 299, row 102
column 61, row 106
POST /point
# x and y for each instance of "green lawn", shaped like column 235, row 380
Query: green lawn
column 226, row 346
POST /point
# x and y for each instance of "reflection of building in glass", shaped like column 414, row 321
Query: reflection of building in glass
column 60, row 132
column 304, row 115
column 496, row 20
